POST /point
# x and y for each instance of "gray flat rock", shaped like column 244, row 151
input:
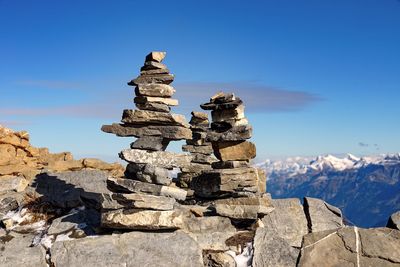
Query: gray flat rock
column 72, row 189
column 287, row 220
column 129, row 250
column 162, row 159
column 132, row 186
column 154, row 89
column 270, row 250
column 322, row 216
column 168, row 132
column 16, row 250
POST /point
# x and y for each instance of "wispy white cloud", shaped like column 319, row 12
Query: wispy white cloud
column 256, row 97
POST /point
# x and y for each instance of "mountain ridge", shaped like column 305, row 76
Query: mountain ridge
column 365, row 188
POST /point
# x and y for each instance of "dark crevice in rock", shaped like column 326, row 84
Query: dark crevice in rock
column 306, row 209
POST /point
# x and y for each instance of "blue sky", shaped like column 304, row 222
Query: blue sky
column 316, row 76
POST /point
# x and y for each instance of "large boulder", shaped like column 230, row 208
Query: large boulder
column 71, row 189
column 130, row 250
column 288, row 220
column 321, row 215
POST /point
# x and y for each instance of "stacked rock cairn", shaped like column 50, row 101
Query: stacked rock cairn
column 237, row 188
column 145, row 198
column 200, row 150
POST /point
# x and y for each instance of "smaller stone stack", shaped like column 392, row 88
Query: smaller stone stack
column 232, row 176
column 145, row 198
column 200, row 150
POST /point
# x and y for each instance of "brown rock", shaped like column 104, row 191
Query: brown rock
column 156, row 56
column 154, row 107
column 152, row 117
column 242, row 150
column 226, row 181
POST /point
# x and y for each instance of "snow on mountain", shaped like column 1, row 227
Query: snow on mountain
column 366, row 189
column 294, row 166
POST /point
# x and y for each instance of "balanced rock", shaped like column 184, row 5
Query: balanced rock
column 156, row 143
column 156, row 56
column 147, row 117
column 166, row 131
column 155, row 90
column 239, row 150
column 226, row 181
column 151, row 99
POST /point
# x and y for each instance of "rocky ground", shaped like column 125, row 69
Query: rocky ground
column 51, row 217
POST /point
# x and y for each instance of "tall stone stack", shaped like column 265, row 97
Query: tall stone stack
column 238, row 187
column 200, row 150
column 145, row 197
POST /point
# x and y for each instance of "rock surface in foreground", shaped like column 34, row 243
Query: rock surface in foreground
column 129, row 250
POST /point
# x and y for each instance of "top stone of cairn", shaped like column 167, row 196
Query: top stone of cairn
column 156, row 56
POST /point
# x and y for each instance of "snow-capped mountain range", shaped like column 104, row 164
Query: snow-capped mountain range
column 367, row 189
column 294, row 166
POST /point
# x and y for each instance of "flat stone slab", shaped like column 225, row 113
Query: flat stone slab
column 238, row 133
column 155, row 143
column 129, row 250
column 162, row 159
column 168, row 132
column 72, row 188
column 244, row 208
column 155, row 78
column 155, row 89
column 203, row 149
column 142, row 219
column 153, row 99
column 132, row 186
column 147, row 117
column 154, row 107
column 152, row 65
column 144, row 201
column 226, row 181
